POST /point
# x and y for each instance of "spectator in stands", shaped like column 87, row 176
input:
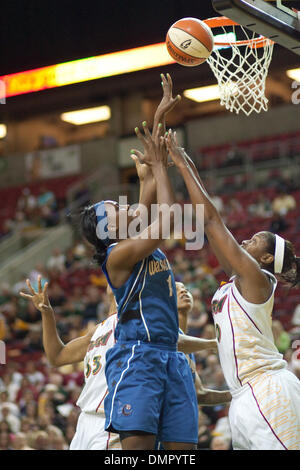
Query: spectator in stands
column 218, row 202
column 27, row 203
column 281, row 337
column 296, row 316
column 5, row 441
column 283, row 203
column 20, row 222
column 278, row 224
column 7, row 229
column 234, row 156
column 47, row 206
column 235, row 215
column 261, row 208
column 220, row 443
column 7, row 384
column 20, row 442
column 196, row 320
column 57, row 260
column 9, row 417
column 33, row 375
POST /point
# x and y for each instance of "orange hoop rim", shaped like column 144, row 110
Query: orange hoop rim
column 219, row 21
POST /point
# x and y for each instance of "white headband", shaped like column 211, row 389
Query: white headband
column 279, row 254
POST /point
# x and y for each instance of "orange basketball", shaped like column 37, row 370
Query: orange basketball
column 190, row 41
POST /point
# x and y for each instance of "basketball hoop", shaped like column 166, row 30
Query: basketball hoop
column 241, row 73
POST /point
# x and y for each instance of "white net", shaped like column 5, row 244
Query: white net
column 241, row 71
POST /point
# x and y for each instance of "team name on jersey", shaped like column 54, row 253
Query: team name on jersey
column 217, row 305
column 101, row 341
column 158, row 266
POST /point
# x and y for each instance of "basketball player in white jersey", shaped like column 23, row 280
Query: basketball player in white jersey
column 265, row 408
column 92, row 348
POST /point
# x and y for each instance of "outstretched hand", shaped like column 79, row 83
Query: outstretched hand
column 177, row 153
column 167, row 102
column 154, row 148
column 40, row 299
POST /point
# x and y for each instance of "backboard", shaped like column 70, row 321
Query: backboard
column 273, row 19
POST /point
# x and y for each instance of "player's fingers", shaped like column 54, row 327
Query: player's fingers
column 26, row 296
column 30, row 287
column 136, row 155
column 170, row 83
column 140, row 136
column 146, row 130
column 40, row 284
column 164, row 81
column 45, row 292
column 175, row 139
column 41, row 305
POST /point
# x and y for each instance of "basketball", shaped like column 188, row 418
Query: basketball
column 190, row 41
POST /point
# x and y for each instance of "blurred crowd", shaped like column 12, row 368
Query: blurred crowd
column 42, row 210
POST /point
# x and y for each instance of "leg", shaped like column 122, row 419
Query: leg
column 179, row 446
column 132, row 441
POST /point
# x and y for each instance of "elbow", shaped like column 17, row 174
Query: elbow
column 54, row 362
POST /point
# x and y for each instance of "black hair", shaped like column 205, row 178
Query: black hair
column 291, row 263
column 88, row 225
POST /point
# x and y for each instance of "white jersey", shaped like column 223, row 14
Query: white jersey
column 244, row 332
column 91, row 399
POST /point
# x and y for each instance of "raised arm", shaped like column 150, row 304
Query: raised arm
column 147, row 181
column 58, row 353
column 167, row 103
column 253, row 284
column 127, row 253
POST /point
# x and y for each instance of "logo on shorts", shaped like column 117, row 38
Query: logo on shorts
column 185, row 44
column 218, row 332
column 127, row 410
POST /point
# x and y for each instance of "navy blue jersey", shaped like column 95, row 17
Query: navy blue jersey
column 147, row 301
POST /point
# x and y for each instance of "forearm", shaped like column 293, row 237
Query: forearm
column 191, row 344
column 213, row 397
column 51, row 340
column 147, row 195
column 57, row 352
column 165, row 193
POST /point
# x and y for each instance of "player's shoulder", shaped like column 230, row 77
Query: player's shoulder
column 105, row 329
column 108, row 322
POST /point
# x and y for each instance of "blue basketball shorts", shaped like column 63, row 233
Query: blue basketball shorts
column 151, row 389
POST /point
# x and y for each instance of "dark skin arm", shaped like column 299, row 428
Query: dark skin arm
column 191, row 344
column 209, row 397
column 57, row 352
column 251, row 281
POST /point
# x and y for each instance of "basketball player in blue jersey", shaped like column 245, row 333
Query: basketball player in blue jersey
column 150, row 385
